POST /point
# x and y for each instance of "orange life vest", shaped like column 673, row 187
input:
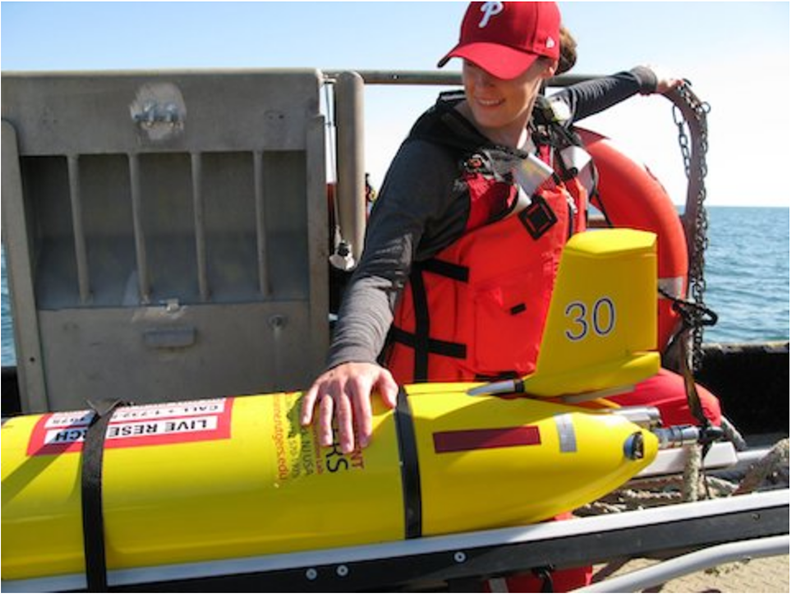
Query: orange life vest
column 477, row 309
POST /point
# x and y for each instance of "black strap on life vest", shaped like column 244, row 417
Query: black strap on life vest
column 422, row 326
column 420, row 340
column 92, row 510
column 449, row 270
column 409, row 466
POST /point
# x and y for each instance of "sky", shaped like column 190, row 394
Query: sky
column 735, row 54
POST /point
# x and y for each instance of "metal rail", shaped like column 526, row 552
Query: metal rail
column 474, row 555
column 427, row 77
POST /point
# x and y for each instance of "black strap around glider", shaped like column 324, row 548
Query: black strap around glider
column 92, row 511
column 409, row 467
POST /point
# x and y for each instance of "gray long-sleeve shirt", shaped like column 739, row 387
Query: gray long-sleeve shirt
column 420, row 210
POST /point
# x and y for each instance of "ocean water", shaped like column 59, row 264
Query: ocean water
column 746, row 273
column 746, row 270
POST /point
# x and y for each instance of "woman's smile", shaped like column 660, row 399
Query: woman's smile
column 489, row 102
column 501, row 108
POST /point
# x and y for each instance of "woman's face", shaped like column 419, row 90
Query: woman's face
column 501, row 108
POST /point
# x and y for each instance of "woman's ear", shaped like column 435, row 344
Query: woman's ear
column 551, row 67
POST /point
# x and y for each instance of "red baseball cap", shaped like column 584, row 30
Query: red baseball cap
column 505, row 38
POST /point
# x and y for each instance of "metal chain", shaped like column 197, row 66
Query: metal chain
column 700, row 235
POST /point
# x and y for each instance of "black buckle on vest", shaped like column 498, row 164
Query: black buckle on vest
column 538, row 217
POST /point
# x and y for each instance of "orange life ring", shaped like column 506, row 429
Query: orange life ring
column 630, row 196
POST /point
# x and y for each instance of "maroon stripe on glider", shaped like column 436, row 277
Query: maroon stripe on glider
column 481, row 439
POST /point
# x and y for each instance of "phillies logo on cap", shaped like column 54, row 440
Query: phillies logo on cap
column 490, row 9
column 506, row 38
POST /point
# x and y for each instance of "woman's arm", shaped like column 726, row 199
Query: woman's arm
column 594, row 96
column 416, row 192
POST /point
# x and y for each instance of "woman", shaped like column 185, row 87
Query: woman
column 456, row 193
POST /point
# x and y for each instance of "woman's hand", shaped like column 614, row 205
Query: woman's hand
column 343, row 393
column 664, row 82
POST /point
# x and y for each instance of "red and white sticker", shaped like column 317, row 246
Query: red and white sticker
column 135, row 426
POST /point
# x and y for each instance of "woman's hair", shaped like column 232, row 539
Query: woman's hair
column 567, row 51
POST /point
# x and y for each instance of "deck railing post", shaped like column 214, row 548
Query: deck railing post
column 349, row 119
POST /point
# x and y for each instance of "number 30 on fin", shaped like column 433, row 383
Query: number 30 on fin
column 598, row 318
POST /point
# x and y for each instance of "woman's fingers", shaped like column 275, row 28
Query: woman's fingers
column 344, row 416
column 343, row 398
column 388, row 388
column 325, row 413
column 308, row 404
column 363, row 414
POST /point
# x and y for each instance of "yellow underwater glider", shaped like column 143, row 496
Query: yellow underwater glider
column 237, row 477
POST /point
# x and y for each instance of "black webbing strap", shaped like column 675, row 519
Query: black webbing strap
column 409, row 467
column 449, row 270
column 456, row 350
column 92, row 511
column 422, row 326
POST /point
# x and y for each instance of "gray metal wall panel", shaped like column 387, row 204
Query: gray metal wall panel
column 212, row 208
column 153, row 355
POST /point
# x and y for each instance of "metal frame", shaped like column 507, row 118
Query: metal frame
column 477, row 555
column 16, row 239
